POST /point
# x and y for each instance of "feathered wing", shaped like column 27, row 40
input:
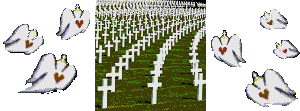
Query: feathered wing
column 45, row 65
column 280, row 18
column 19, row 33
column 274, row 80
column 86, row 18
column 252, row 93
column 279, row 54
column 65, row 19
column 287, row 44
column 236, row 46
column 71, row 70
column 263, row 23
column 215, row 44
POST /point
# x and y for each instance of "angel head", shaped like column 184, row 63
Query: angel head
column 77, row 12
column 33, row 33
column 224, row 38
column 62, row 63
column 267, row 15
column 258, row 80
column 278, row 46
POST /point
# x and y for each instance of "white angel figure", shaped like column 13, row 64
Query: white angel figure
column 50, row 75
column 270, row 88
column 286, row 50
column 73, row 22
column 228, row 50
column 275, row 20
column 23, row 42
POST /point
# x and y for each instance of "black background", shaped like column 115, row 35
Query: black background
column 226, row 85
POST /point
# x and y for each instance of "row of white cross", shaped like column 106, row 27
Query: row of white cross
column 153, row 3
column 116, row 41
column 158, row 64
column 198, row 80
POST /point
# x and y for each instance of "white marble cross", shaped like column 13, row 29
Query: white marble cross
column 136, row 33
column 200, row 82
column 130, row 34
column 123, row 40
column 142, row 30
column 168, row 27
column 108, row 46
column 120, row 29
column 104, row 88
column 100, row 51
column 105, row 34
column 120, row 64
column 149, row 37
column 97, row 37
column 101, row 25
column 127, row 56
column 113, row 33
column 153, row 38
column 194, row 60
column 113, row 74
column 159, row 63
column 144, row 41
column 155, row 86
column 132, row 52
column 116, row 41
column 139, row 47
column 147, row 27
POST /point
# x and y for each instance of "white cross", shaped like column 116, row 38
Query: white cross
column 159, row 63
column 154, row 85
column 149, row 37
column 113, row 33
column 144, row 40
column 127, row 29
column 97, row 39
column 168, row 28
column 136, row 33
column 160, row 56
column 153, row 38
column 147, row 27
column 194, row 60
column 108, row 46
column 113, row 74
column 200, row 82
column 138, row 45
column 116, row 41
column 120, row 64
column 123, row 40
column 100, row 51
column 132, row 52
column 104, row 88
column 130, row 36
column 142, row 30
column 120, row 29
column 101, row 25
column 105, row 35
column 127, row 56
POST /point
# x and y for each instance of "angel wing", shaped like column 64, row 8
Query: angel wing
column 85, row 17
column 215, row 44
column 69, row 74
column 279, row 54
column 274, row 79
column 287, row 44
column 236, row 45
column 263, row 23
column 252, row 93
column 66, row 16
column 19, row 33
column 70, row 70
column 280, row 18
column 46, row 63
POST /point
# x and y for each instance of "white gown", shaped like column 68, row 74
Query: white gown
column 278, row 21
column 288, row 50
